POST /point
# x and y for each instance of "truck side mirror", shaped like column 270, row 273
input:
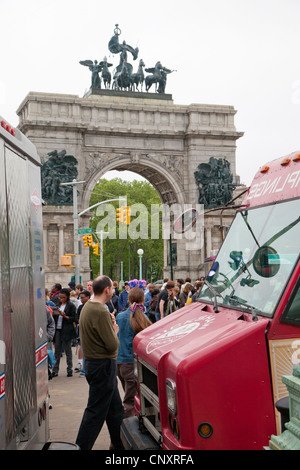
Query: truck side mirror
column 266, row 261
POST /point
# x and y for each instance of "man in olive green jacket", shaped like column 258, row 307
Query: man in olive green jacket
column 99, row 341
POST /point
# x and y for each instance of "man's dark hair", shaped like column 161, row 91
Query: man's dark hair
column 100, row 284
column 57, row 286
column 155, row 292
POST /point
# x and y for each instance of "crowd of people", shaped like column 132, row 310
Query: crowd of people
column 103, row 321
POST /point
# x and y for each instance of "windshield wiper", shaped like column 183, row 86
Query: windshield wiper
column 250, row 307
column 216, row 294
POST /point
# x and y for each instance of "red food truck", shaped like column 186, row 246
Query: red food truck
column 209, row 375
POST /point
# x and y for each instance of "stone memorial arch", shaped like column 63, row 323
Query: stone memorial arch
column 141, row 132
column 127, row 121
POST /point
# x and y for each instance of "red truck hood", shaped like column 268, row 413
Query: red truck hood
column 192, row 328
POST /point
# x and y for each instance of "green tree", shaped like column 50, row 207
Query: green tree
column 118, row 249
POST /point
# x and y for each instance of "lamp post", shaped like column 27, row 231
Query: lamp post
column 140, row 252
column 101, row 250
column 75, row 183
column 121, row 280
column 101, row 233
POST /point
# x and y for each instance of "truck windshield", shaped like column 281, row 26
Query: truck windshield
column 256, row 259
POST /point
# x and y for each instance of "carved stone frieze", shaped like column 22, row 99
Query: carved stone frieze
column 172, row 163
column 93, row 162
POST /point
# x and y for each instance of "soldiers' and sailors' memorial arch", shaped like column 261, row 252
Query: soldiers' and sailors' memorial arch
column 126, row 121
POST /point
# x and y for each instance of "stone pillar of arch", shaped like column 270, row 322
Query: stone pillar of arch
column 143, row 132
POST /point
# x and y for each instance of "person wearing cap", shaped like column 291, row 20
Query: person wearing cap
column 162, row 303
column 72, row 285
column 148, row 296
column 123, row 298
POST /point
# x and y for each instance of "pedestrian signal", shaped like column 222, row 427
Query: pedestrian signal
column 66, row 260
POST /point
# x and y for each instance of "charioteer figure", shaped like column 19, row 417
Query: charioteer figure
column 124, row 70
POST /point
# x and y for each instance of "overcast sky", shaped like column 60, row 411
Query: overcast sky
column 244, row 53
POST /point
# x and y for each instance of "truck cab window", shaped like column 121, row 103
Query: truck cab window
column 292, row 311
column 257, row 258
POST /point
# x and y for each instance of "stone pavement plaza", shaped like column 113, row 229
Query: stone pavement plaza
column 68, row 397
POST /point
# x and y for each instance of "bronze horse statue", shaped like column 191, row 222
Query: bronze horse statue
column 155, row 76
column 122, row 76
column 158, row 76
column 138, row 78
column 106, row 75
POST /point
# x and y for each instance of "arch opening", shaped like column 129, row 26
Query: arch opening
column 167, row 186
column 120, row 257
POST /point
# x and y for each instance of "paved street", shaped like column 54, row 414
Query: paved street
column 68, row 397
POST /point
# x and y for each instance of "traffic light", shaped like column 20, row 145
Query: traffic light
column 96, row 249
column 123, row 215
column 85, row 240
column 88, row 240
column 127, row 215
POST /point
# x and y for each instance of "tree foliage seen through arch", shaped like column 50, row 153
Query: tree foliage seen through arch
column 125, row 250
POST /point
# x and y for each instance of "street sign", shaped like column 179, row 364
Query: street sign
column 85, row 230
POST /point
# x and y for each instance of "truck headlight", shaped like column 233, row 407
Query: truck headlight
column 171, row 396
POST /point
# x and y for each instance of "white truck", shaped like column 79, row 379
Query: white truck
column 24, row 417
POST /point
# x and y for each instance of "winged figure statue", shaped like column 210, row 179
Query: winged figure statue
column 95, row 68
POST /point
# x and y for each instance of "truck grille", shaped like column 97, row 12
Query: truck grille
column 149, row 399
